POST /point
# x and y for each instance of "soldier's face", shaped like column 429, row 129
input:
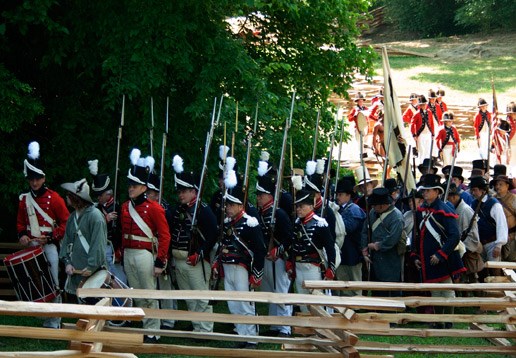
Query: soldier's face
column 103, row 198
column 430, row 195
column 501, row 187
column 233, row 209
column 135, row 190
column 263, row 199
column 360, row 103
column 343, row 198
column 186, row 195
column 36, row 183
column 476, row 192
column 303, row 210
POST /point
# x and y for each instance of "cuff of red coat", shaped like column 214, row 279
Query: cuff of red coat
column 442, row 254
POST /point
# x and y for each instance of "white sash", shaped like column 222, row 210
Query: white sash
column 82, row 239
column 380, row 220
column 139, row 221
column 31, row 204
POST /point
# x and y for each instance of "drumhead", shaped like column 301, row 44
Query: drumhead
column 362, row 124
column 96, row 280
column 23, row 255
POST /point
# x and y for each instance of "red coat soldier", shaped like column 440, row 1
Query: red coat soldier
column 434, row 108
column 448, row 139
column 422, row 128
column 412, row 108
column 483, row 124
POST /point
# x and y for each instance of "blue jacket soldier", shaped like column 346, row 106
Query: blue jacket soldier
column 275, row 278
column 241, row 255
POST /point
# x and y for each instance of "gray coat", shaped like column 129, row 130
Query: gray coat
column 386, row 263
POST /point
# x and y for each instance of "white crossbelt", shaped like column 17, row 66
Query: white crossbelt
column 82, row 239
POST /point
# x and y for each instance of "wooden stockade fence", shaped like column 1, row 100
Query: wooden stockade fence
column 317, row 333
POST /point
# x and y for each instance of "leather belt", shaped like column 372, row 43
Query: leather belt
column 138, row 238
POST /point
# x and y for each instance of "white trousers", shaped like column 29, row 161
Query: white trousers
column 304, row 272
column 236, row 278
column 424, row 143
column 194, row 278
column 53, row 260
column 282, row 286
column 139, row 268
column 165, row 283
column 447, row 155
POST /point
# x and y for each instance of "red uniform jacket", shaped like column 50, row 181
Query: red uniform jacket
column 153, row 215
column 442, row 138
column 352, row 115
column 53, row 205
column 442, row 105
column 409, row 113
column 373, row 111
column 417, row 122
column 479, row 124
column 438, row 112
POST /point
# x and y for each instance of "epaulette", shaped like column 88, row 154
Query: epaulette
column 321, row 222
column 251, row 221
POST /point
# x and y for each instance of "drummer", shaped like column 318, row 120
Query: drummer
column 42, row 216
column 83, row 250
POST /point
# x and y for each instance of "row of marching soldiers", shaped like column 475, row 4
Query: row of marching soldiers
column 155, row 241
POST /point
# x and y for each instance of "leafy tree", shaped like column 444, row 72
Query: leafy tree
column 64, row 67
column 484, row 15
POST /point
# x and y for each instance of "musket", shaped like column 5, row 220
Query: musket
column 316, row 136
column 405, row 175
column 328, row 167
column 151, row 130
column 163, row 152
column 248, row 156
column 279, row 181
column 445, row 199
column 117, row 169
column 207, row 147
column 340, row 157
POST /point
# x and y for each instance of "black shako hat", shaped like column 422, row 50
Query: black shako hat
column 33, row 166
column 100, row 182
column 304, row 196
column 379, row 196
column 184, row 179
column 140, row 169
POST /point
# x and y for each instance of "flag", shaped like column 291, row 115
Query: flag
column 394, row 131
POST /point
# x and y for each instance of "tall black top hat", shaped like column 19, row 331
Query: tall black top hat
column 140, row 168
column 499, row 169
column 480, row 164
column 391, row 185
column 427, row 162
column 457, row 172
column 432, row 181
column 478, row 182
column 345, row 185
column 33, row 166
column 100, row 181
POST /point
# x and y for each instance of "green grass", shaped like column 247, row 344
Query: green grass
column 471, row 76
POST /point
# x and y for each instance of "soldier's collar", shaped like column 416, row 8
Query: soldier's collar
column 39, row 192
column 237, row 217
column 318, row 203
column 267, row 206
column 139, row 199
column 307, row 218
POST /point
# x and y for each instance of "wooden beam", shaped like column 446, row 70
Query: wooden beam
column 345, row 312
column 319, row 322
column 433, row 349
column 500, row 265
column 402, row 318
column 262, row 297
column 36, row 309
column 214, row 336
column 68, row 354
column 177, row 350
column 485, row 302
column 69, row 335
column 342, row 338
column 405, row 286
column 496, row 341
